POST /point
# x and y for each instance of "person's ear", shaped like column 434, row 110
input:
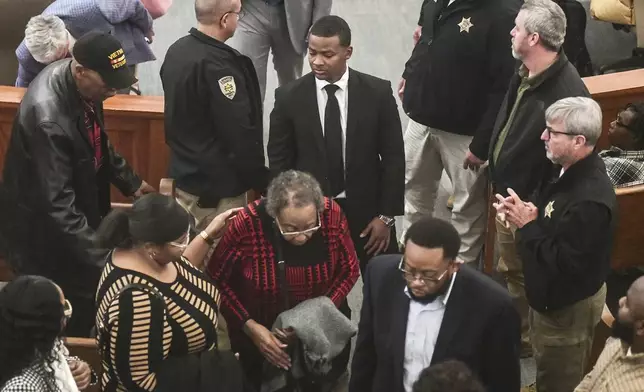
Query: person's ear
column 455, row 266
column 580, row 141
column 534, row 39
column 151, row 249
column 638, row 327
column 79, row 70
column 349, row 53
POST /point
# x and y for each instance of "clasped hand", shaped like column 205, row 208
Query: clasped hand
column 515, row 211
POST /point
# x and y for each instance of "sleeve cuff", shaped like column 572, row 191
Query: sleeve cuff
column 530, row 230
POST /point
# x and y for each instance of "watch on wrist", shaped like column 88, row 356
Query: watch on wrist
column 389, row 221
column 206, row 237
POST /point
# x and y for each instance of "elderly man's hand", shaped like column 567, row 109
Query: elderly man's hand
column 518, row 212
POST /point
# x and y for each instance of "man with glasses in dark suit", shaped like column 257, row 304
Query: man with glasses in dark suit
column 424, row 308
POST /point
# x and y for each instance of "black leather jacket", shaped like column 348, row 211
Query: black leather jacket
column 57, row 196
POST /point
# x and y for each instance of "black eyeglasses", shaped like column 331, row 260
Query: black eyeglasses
column 550, row 132
column 239, row 14
column 619, row 123
column 425, row 277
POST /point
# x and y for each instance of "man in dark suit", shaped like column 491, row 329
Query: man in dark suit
column 342, row 126
column 422, row 309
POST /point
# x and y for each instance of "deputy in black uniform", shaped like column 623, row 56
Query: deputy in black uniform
column 565, row 243
column 213, row 115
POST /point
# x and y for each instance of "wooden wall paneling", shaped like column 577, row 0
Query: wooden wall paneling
column 6, row 122
column 134, row 125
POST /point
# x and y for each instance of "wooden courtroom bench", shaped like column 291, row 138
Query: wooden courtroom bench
column 87, row 350
column 628, row 248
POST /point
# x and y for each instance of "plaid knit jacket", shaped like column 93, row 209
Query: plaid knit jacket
column 127, row 20
column 244, row 267
column 624, row 168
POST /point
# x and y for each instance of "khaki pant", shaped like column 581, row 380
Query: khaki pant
column 511, row 267
column 562, row 340
column 427, row 152
column 203, row 217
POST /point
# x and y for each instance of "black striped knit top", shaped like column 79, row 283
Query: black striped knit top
column 141, row 329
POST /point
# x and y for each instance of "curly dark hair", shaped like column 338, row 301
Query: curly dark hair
column 637, row 122
column 448, row 376
column 31, row 317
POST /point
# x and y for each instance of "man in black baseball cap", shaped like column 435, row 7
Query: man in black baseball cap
column 100, row 67
column 58, row 169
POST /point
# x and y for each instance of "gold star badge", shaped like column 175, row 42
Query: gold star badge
column 550, row 208
column 465, row 25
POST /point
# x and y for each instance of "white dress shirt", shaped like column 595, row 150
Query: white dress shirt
column 341, row 95
column 423, row 325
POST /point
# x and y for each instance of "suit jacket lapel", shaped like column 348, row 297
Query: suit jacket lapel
column 353, row 110
column 310, row 110
column 452, row 319
column 400, row 313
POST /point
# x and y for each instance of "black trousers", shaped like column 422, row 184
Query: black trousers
column 360, row 243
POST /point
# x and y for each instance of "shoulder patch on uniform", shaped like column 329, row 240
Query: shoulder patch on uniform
column 228, row 86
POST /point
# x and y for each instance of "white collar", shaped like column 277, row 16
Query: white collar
column 443, row 297
column 342, row 83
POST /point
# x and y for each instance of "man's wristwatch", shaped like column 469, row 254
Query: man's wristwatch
column 387, row 220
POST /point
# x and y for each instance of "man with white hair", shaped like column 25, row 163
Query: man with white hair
column 515, row 156
column 50, row 36
column 565, row 242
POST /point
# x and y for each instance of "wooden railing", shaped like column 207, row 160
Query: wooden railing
column 134, row 125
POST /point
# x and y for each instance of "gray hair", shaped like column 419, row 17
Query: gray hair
column 546, row 18
column 295, row 189
column 208, row 11
column 580, row 116
column 46, row 38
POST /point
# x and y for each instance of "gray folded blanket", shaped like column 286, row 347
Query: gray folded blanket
column 323, row 332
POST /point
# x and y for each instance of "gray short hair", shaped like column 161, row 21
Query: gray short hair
column 293, row 188
column 208, row 11
column 46, row 38
column 546, row 18
column 580, row 115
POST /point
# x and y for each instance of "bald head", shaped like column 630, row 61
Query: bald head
column 209, row 12
column 635, row 297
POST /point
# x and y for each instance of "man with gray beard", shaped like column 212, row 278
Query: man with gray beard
column 516, row 159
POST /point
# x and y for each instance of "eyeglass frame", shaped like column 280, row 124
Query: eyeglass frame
column 426, row 280
column 185, row 243
column 68, row 310
column 621, row 124
column 551, row 131
column 293, row 234
column 239, row 14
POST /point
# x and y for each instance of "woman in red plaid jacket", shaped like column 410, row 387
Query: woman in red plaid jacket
column 297, row 224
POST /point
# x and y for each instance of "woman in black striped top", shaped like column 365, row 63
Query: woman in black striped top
column 153, row 304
